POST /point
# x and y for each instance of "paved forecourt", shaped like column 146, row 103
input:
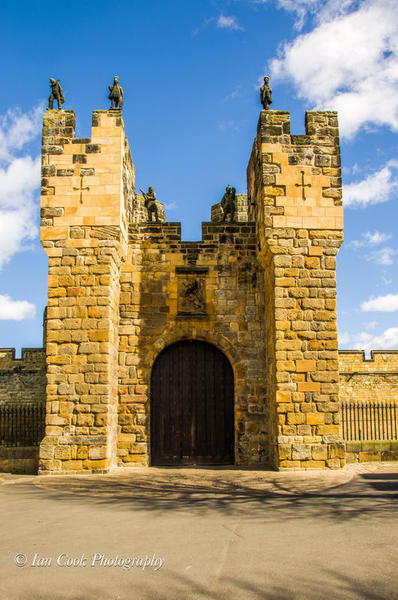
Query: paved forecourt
column 194, row 533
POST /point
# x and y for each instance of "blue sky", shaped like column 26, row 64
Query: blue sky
column 191, row 72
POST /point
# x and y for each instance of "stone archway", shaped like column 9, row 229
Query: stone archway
column 192, row 406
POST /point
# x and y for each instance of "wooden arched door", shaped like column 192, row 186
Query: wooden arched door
column 192, row 406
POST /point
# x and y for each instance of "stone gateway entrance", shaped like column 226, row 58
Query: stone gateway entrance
column 260, row 285
column 192, row 406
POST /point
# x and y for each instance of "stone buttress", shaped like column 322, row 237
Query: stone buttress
column 295, row 197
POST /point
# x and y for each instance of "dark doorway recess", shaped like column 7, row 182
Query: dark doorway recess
column 192, row 406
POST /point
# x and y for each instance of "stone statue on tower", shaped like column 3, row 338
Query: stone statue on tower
column 266, row 94
column 56, row 94
column 116, row 94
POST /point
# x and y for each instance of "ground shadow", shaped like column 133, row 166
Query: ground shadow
column 177, row 586
column 374, row 494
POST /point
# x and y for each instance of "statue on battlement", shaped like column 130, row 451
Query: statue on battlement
column 266, row 94
column 228, row 203
column 56, row 94
column 150, row 203
column 116, row 94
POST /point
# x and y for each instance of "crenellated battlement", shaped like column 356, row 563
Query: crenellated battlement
column 295, row 180
column 321, row 127
column 30, row 358
column 85, row 181
column 380, row 360
column 368, row 380
column 22, row 380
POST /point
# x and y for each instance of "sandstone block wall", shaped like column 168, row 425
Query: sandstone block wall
column 22, row 380
column 232, row 319
column 376, row 451
column 19, row 460
column 87, row 188
column 85, row 181
column 371, row 379
column 294, row 187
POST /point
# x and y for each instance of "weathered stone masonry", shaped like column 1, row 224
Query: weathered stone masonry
column 150, row 320
column 22, row 380
column 266, row 297
column 22, row 384
column 294, row 183
column 84, row 232
column 371, row 379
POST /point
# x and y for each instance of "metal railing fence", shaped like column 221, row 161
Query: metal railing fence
column 22, row 424
column 368, row 421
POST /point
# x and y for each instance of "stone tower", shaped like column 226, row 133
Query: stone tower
column 258, row 293
column 86, row 187
column 294, row 186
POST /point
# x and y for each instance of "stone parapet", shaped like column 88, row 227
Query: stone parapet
column 294, row 181
column 31, row 358
column 22, row 380
column 85, row 181
column 380, row 361
column 366, row 380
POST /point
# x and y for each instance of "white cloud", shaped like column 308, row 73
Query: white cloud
column 356, row 168
column 16, row 310
column 171, row 206
column 383, row 256
column 321, row 10
column 228, row 23
column 300, row 7
column 371, row 239
column 348, row 62
column 374, row 189
column 386, row 280
column 377, row 238
column 18, row 211
column 17, row 129
column 234, row 94
column 344, row 338
column 388, row 303
column 19, row 180
column 387, row 340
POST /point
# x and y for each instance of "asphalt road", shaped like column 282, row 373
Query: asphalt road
column 201, row 534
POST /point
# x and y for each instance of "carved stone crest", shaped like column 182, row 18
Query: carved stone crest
column 191, row 294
